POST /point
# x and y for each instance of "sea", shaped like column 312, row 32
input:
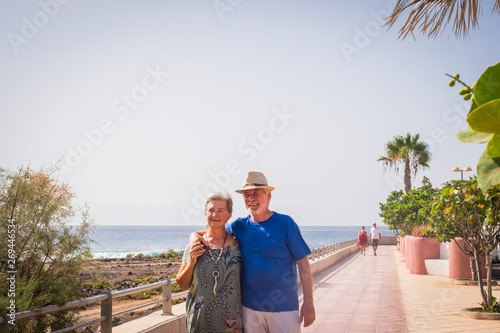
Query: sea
column 119, row 241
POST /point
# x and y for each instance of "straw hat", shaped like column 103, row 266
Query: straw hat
column 255, row 180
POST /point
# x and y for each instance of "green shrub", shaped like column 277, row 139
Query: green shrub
column 40, row 211
column 178, row 301
column 175, row 287
column 143, row 294
column 173, row 255
column 147, row 279
column 104, row 283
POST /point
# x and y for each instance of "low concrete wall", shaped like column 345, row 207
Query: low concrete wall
column 321, row 264
column 157, row 323
column 176, row 323
column 439, row 266
column 388, row 240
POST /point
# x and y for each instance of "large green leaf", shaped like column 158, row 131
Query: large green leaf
column 487, row 87
column 470, row 136
column 486, row 118
column 493, row 147
column 488, row 171
column 473, row 105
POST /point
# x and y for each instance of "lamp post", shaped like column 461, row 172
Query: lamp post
column 461, row 171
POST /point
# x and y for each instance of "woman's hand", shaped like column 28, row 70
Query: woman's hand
column 185, row 276
column 195, row 251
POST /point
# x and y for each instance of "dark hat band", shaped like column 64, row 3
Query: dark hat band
column 253, row 184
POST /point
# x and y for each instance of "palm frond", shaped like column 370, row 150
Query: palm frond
column 432, row 16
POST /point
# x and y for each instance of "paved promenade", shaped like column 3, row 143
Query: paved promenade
column 378, row 294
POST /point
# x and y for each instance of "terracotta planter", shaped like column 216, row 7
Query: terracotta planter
column 407, row 251
column 422, row 248
column 460, row 263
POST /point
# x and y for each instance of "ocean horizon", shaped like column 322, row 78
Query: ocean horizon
column 118, row 241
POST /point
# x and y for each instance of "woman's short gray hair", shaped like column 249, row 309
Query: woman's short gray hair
column 219, row 196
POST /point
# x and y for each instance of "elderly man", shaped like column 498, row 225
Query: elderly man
column 272, row 248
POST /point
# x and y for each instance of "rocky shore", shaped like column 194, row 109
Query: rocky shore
column 114, row 274
column 127, row 272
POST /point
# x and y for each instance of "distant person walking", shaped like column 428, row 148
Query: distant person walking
column 362, row 240
column 375, row 236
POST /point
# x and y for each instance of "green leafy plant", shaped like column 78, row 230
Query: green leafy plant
column 473, row 215
column 47, row 250
column 403, row 212
column 493, row 308
column 484, row 123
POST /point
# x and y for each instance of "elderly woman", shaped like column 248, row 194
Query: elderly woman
column 362, row 240
column 213, row 273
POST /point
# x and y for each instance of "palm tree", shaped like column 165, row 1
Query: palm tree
column 408, row 151
column 431, row 15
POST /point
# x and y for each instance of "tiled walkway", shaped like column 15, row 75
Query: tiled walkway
column 377, row 294
column 433, row 303
column 359, row 294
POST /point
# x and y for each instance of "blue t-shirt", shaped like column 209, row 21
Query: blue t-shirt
column 270, row 250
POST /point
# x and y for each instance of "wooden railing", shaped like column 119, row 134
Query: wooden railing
column 106, row 299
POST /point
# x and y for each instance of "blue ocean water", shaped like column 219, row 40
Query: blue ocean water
column 118, row 241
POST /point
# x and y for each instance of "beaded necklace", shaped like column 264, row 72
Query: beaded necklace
column 215, row 273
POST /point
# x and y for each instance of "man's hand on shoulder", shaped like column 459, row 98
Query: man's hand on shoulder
column 196, row 238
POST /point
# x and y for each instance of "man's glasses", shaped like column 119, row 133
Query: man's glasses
column 255, row 194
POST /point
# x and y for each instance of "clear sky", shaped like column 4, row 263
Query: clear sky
column 151, row 105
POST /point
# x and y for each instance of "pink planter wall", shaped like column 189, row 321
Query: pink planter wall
column 407, row 251
column 422, row 248
column 460, row 263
